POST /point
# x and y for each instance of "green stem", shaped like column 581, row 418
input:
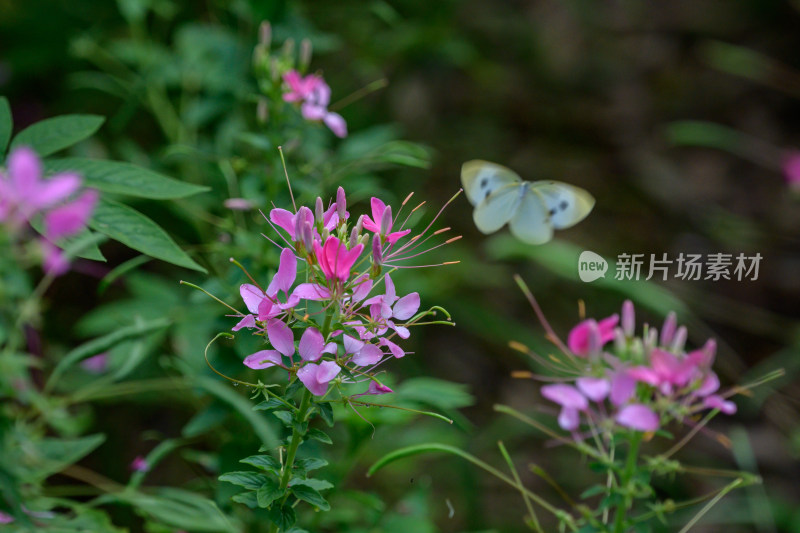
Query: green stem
column 625, row 480
column 297, row 438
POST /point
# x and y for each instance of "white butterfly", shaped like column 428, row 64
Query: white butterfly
column 531, row 209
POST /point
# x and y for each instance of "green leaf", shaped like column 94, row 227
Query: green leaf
column 100, row 344
column 316, row 484
column 593, row 491
column 309, row 464
column 284, row 516
column 326, row 412
column 308, row 494
column 285, row 417
column 268, row 493
column 123, row 178
column 248, row 480
column 135, row 230
column 319, row 435
column 268, row 405
column 53, row 134
column 263, row 462
column 243, row 406
column 51, row 455
column 180, row 509
column 6, row 125
column 248, row 498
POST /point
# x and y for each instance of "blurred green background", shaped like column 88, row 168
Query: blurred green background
column 676, row 116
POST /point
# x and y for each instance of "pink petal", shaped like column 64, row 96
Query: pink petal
column 645, row 375
column 281, row 337
column 638, row 417
column 311, row 291
column 25, row 171
column 361, row 287
column 718, row 402
column 263, row 359
column 569, row 418
column 565, row 395
column 284, row 219
column 311, row 344
column 395, row 236
column 368, row 355
column 313, row 111
column 377, row 388
column 402, row 331
column 622, row 388
column 596, row 389
column 377, row 214
column 351, row 345
column 55, row 262
column 394, row 348
column 710, row 385
column 287, row 271
column 406, row 306
column 336, row 124
column 71, row 218
column 327, row 371
column 57, row 188
column 249, row 321
column 252, row 296
column 317, row 376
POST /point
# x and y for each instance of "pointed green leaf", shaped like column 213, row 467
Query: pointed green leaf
column 319, row 435
column 247, row 498
column 316, row 484
column 248, row 480
column 268, row 493
column 285, row 417
column 6, row 125
column 135, row 230
column 326, row 412
column 263, row 462
column 284, row 516
column 309, row 464
column 123, row 178
column 53, row 134
column 268, row 405
column 308, row 494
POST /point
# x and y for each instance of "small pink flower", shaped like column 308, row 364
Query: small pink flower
column 6, row 518
column 312, row 345
column 97, row 364
column 571, row 401
column 791, row 169
column 718, row 402
column 589, row 332
column 314, row 95
column 139, row 464
column 381, row 222
column 316, row 377
column 335, row 259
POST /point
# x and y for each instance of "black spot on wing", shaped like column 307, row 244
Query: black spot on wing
column 563, row 205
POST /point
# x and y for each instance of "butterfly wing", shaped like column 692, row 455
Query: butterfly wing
column 481, row 179
column 566, row 204
column 495, row 210
column 530, row 222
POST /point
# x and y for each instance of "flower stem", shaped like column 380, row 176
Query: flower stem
column 297, row 438
column 625, row 480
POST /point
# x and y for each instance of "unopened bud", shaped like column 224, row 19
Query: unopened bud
column 594, row 340
column 305, row 55
column 377, row 250
column 288, row 49
column 341, row 205
column 319, row 211
column 679, row 340
column 262, row 110
column 650, row 339
column 265, row 34
column 628, row 318
column 668, row 329
column 353, row 238
column 620, row 342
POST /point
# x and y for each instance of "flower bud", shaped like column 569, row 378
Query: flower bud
column 650, row 339
column 319, row 211
column 262, row 111
column 668, row 329
column 679, row 340
column 353, row 238
column 341, row 205
column 265, row 34
column 620, row 342
column 305, row 55
column 377, row 250
column 594, row 341
column 628, row 318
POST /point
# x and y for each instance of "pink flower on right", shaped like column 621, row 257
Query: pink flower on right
column 640, row 383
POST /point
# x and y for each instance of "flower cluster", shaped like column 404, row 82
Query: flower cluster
column 314, row 95
column 345, row 308
column 24, row 195
column 641, row 383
